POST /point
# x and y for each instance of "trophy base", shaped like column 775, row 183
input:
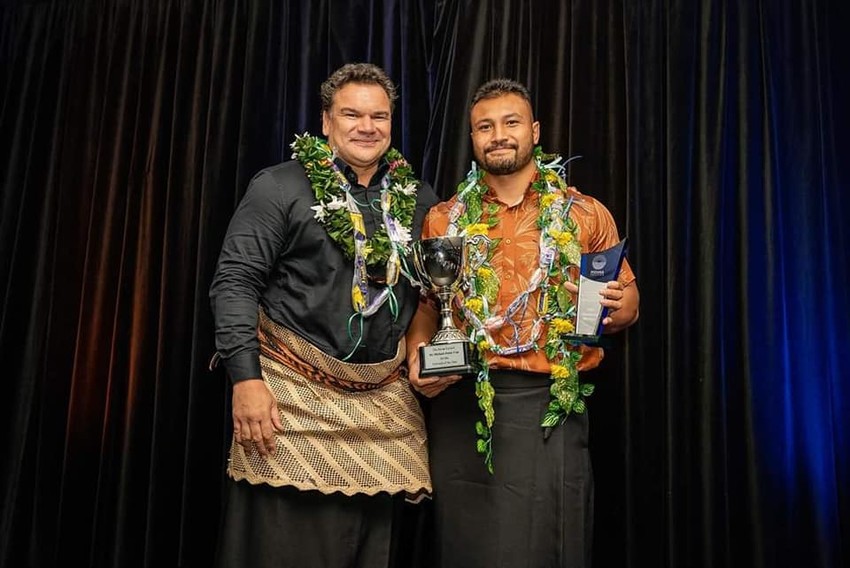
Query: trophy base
column 445, row 359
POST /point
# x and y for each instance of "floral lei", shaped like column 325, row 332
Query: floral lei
column 339, row 213
column 559, row 250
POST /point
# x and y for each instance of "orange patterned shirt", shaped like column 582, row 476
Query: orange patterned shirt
column 516, row 258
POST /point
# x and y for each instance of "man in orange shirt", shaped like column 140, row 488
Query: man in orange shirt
column 525, row 497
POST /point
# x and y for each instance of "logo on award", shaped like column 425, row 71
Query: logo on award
column 597, row 265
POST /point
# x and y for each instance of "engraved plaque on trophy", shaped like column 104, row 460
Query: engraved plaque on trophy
column 596, row 270
column 439, row 262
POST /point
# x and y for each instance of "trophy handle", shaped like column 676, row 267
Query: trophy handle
column 419, row 267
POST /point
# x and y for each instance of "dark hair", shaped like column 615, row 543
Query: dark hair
column 500, row 87
column 366, row 73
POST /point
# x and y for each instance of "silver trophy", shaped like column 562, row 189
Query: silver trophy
column 439, row 262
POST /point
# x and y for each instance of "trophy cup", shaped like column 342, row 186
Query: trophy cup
column 439, row 262
column 596, row 270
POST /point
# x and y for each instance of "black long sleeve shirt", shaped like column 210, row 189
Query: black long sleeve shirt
column 276, row 255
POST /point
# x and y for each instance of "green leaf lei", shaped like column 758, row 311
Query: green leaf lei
column 560, row 249
column 328, row 185
column 340, row 215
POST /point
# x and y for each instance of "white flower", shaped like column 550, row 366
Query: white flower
column 409, row 189
column 335, row 203
column 320, row 212
column 403, row 234
column 295, row 143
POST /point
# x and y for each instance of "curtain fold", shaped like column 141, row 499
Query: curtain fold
column 716, row 133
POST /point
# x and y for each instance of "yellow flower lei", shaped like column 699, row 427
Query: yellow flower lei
column 559, row 250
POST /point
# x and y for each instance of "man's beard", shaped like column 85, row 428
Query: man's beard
column 503, row 166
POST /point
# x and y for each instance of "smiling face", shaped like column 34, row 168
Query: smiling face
column 504, row 133
column 358, row 126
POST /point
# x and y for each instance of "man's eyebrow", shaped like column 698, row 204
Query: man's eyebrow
column 355, row 111
column 502, row 117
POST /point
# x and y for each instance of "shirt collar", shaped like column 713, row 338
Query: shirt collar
column 529, row 198
column 351, row 175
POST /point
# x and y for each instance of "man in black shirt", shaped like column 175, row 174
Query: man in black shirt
column 311, row 305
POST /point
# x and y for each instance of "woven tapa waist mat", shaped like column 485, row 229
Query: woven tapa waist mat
column 358, row 440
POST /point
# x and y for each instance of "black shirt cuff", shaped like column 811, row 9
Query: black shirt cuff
column 243, row 366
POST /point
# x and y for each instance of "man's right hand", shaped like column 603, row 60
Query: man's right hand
column 428, row 386
column 255, row 416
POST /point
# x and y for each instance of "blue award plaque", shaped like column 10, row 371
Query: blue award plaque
column 597, row 269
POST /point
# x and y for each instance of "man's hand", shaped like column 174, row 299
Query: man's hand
column 428, row 386
column 255, row 416
column 622, row 304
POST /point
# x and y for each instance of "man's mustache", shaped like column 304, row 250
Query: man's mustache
column 495, row 147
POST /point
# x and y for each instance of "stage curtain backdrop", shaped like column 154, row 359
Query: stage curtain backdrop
column 716, row 132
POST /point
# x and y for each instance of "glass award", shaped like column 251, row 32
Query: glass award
column 596, row 270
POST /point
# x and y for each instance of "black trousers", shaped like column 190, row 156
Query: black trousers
column 264, row 526
column 536, row 510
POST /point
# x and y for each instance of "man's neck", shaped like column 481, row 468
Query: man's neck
column 510, row 188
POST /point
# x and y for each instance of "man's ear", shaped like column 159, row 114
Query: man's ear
column 326, row 121
column 535, row 131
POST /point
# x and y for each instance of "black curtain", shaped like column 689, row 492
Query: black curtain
column 715, row 131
